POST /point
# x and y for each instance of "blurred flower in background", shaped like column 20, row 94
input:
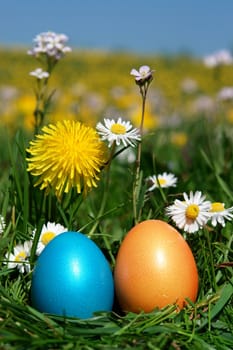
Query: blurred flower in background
column 204, row 104
column 220, row 57
column 179, row 138
column 163, row 180
column 50, row 44
column 189, row 86
column 225, row 94
column 39, row 73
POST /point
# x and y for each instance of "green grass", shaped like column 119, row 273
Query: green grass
column 202, row 326
column 207, row 324
column 204, row 163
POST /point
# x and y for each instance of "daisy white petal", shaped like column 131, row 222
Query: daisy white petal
column 48, row 232
column 39, row 73
column 19, row 258
column 135, row 73
column 143, row 75
column 2, row 224
column 219, row 214
column 161, row 180
column 119, row 131
column 191, row 214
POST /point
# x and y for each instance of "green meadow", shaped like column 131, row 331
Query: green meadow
column 188, row 131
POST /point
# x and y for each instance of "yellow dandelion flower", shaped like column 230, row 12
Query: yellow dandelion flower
column 67, row 154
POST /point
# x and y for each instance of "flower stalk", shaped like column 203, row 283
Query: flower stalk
column 42, row 103
column 49, row 48
column 105, row 192
column 143, row 78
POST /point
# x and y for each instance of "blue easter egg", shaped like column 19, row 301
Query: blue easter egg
column 72, row 278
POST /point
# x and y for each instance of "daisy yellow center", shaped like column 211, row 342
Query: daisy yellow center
column 192, row 211
column 47, row 237
column 217, row 206
column 162, row 181
column 118, row 129
column 20, row 256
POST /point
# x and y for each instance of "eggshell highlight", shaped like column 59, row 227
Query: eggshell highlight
column 154, row 267
column 72, row 278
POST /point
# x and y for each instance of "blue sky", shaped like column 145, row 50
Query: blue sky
column 199, row 27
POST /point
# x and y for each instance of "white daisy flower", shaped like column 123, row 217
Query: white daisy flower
column 219, row 214
column 39, row 73
column 19, row 258
column 162, row 180
column 48, row 232
column 119, row 131
column 142, row 75
column 2, row 224
column 192, row 213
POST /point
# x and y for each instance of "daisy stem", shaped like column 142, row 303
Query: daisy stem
column 105, row 192
column 161, row 191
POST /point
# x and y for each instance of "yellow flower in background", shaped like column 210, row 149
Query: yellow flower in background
column 127, row 100
column 58, row 115
column 26, row 104
column 151, row 120
column 179, row 138
column 25, row 107
column 67, row 154
column 230, row 116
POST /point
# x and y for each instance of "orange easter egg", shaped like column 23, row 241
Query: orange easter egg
column 154, row 267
